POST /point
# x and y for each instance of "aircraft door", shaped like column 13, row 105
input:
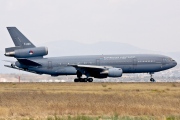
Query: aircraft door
column 50, row 65
column 97, row 61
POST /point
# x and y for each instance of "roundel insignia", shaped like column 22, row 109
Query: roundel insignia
column 31, row 52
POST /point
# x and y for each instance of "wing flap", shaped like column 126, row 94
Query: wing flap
column 10, row 61
column 90, row 67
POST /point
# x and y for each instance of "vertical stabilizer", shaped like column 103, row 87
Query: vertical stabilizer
column 19, row 39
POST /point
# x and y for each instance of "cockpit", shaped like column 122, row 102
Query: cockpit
column 169, row 61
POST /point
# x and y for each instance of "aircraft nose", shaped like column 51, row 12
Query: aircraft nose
column 174, row 63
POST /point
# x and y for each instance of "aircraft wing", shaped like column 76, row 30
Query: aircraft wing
column 92, row 70
column 25, row 62
column 89, row 67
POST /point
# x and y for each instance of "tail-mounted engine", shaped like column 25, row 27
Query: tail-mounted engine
column 26, row 52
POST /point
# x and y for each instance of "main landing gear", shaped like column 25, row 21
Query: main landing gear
column 152, row 79
column 83, row 80
column 79, row 79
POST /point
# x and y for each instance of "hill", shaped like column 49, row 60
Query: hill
column 66, row 48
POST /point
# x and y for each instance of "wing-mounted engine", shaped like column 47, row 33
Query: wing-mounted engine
column 113, row 72
column 27, row 52
column 99, row 71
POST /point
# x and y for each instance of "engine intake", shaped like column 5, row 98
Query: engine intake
column 28, row 52
column 115, row 72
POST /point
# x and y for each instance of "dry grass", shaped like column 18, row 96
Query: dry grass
column 40, row 100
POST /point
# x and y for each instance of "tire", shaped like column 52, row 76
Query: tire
column 81, row 80
column 85, row 80
column 76, row 80
column 152, row 80
column 90, row 80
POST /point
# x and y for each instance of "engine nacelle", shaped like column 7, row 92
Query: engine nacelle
column 28, row 52
column 115, row 72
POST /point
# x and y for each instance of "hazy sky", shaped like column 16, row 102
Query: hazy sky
column 149, row 24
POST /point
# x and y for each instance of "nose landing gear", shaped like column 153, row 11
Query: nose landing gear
column 152, row 79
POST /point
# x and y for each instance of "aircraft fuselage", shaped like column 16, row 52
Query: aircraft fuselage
column 130, row 63
column 31, row 59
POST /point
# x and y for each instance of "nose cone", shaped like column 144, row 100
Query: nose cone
column 174, row 63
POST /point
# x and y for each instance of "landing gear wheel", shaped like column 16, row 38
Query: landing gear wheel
column 152, row 80
column 85, row 80
column 90, row 80
column 80, row 80
column 76, row 80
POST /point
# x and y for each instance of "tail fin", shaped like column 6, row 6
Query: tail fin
column 19, row 39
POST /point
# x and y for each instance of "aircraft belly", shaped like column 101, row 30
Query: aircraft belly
column 66, row 71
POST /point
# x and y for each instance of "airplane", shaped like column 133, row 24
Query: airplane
column 31, row 59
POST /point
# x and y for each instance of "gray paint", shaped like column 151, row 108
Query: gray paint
column 19, row 39
column 140, row 63
column 91, row 65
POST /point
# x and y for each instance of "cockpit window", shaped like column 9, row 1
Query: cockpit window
column 171, row 59
column 168, row 59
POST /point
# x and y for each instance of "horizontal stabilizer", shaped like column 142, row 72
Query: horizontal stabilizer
column 12, row 62
column 21, row 69
column 28, row 62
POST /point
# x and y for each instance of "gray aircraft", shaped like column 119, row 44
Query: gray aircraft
column 31, row 59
